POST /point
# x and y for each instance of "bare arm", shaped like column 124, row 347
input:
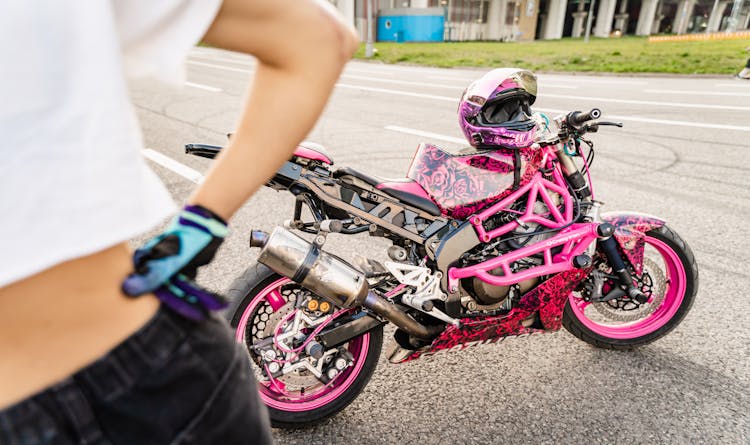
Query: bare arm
column 301, row 47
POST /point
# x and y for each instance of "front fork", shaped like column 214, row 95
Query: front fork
column 608, row 244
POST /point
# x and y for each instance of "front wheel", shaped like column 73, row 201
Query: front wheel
column 669, row 279
column 279, row 318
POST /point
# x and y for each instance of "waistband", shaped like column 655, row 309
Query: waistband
column 146, row 350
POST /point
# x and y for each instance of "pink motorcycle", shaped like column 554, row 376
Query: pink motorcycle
column 502, row 239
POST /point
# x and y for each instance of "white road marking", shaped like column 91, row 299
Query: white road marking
column 404, row 82
column 246, row 61
column 699, row 93
column 557, row 111
column 588, row 80
column 457, row 79
column 650, row 102
column 397, row 92
column 220, row 67
column 170, row 164
column 739, row 84
column 542, row 82
column 360, row 70
column 546, row 110
column 678, row 123
column 405, row 69
column 203, row 87
column 426, row 134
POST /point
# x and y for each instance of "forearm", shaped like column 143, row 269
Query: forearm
column 300, row 56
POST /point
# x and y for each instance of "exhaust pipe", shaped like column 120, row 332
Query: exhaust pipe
column 329, row 277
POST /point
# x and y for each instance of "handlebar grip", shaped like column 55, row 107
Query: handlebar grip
column 578, row 117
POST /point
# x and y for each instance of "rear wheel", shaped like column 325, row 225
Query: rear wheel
column 272, row 311
column 669, row 279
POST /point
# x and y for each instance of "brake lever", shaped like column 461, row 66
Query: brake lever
column 611, row 124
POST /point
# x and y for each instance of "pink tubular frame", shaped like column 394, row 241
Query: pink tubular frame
column 575, row 239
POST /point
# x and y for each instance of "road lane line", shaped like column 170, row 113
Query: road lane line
column 457, row 79
column 542, row 83
column 740, row 85
column 677, row 123
column 557, row 111
column 397, row 92
column 203, row 87
column 650, row 102
column 170, row 164
column 360, row 70
column 247, row 62
column 589, row 80
column 220, row 67
column 699, row 93
column 546, row 110
column 426, row 134
column 403, row 82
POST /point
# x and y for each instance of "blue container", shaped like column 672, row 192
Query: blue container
column 411, row 25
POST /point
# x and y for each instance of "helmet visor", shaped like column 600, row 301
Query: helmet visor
column 512, row 113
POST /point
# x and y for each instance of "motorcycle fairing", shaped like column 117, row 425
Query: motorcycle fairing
column 313, row 151
column 630, row 233
column 463, row 184
column 548, row 299
column 305, row 149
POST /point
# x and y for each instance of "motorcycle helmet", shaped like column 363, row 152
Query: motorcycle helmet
column 495, row 110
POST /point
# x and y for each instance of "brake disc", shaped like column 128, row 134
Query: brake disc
column 264, row 324
column 652, row 282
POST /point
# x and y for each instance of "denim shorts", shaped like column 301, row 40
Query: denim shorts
column 174, row 381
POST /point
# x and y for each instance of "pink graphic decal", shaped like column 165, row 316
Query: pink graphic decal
column 630, row 233
column 405, row 186
column 312, row 151
column 466, row 183
column 548, row 299
column 573, row 240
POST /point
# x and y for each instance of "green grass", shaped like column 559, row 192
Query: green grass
column 624, row 55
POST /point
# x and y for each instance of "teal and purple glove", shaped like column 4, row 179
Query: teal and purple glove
column 167, row 264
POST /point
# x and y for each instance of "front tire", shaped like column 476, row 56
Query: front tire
column 261, row 296
column 670, row 275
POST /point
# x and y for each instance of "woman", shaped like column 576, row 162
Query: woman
column 745, row 73
column 81, row 361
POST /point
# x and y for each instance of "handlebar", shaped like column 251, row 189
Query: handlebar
column 578, row 117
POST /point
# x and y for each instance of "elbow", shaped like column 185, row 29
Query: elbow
column 338, row 38
column 351, row 43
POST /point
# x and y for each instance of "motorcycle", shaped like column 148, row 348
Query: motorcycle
column 487, row 243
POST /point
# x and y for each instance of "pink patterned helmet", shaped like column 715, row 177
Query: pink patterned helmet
column 495, row 109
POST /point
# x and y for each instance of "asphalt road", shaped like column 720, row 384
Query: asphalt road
column 683, row 155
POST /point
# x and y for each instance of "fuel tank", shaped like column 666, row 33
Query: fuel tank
column 463, row 183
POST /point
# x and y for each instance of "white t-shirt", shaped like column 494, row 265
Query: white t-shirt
column 72, row 179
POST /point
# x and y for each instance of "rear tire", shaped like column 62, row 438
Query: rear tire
column 677, row 273
column 248, row 294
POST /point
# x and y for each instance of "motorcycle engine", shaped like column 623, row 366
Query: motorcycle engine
column 485, row 296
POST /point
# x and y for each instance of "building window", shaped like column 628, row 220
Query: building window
column 464, row 10
column 512, row 13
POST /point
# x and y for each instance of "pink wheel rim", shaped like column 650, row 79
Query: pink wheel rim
column 324, row 395
column 674, row 294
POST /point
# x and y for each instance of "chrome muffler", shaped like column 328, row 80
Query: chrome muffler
column 329, row 277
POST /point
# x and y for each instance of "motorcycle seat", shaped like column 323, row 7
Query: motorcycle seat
column 405, row 190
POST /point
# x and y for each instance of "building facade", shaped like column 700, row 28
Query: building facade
column 519, row 20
